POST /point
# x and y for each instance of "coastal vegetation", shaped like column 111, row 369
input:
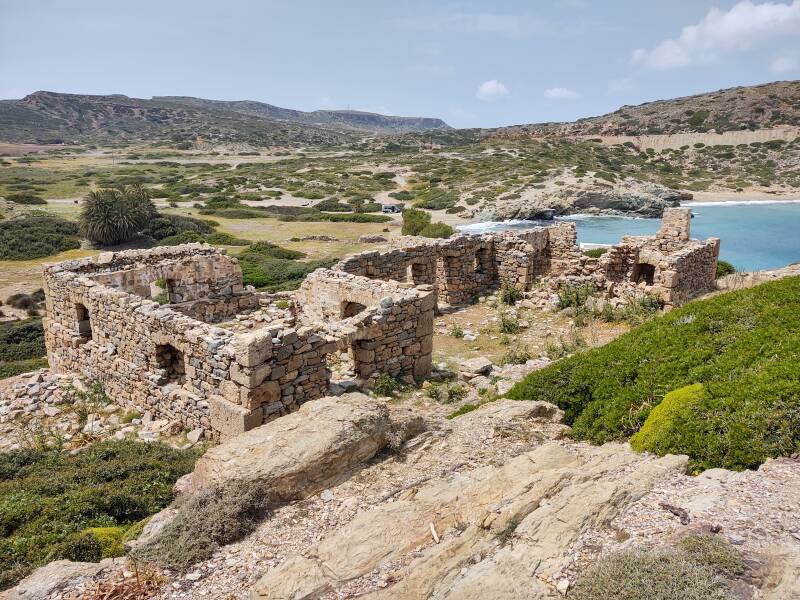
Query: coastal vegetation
column 742, row 405
column 79, row 506
column 35, row 235
column 113, row 216
column 21, row 347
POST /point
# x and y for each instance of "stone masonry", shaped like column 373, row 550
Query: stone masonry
column 150, row 325
column 109, row 319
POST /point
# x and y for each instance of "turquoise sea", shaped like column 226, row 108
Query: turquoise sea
column 754, row 235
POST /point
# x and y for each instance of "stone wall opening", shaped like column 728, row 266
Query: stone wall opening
column 419, row 273
column 170, row 363
column 482, row 260
column 83, row 324
column 644, row 272
column 351, row 309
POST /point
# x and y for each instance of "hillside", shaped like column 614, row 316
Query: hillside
column 349, row 119
column 49, row 117
column 751, row 107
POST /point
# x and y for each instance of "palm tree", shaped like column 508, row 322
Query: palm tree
column 112, row 216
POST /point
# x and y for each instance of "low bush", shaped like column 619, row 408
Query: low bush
column 37, row 235
column 25, row 198
column 59, row 505
column 277, row 274
column 269, row 249
column 724, row 268
column 742, row 346
column 386, row 385
column 510, row 293
column 205, row 522
column 164, row 226
column 462, row 410
column 437, row 230
column 595, row 252
column 418, row 222
column 697, row 569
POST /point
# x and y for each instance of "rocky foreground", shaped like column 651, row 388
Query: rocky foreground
column 496, row 503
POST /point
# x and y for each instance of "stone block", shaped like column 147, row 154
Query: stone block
column 230, row 419
column 252, row 349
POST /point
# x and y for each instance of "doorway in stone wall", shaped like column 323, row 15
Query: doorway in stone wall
column 83, row 324
column 171, row 365
column 481, row 261
column 644, row 272
column 418, row 273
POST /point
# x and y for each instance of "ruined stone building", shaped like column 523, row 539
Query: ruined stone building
column 158, row 328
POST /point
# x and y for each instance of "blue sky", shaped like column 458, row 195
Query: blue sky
column 470, row 63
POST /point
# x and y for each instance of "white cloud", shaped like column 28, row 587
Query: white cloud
column 784, row 64
column 491, row 90
column 721, row 32
column 560, row 93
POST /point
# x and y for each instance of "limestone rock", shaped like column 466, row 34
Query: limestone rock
column 543, row 500
column 300, row 452
column 50, row 578
column 476, row 366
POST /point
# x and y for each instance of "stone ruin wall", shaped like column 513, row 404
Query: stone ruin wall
column 142, row 322
column 464, row 267
column 103, row 321
column 386, row 327
column 669, row 265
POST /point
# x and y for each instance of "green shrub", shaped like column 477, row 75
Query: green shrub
column 509, row 324
column 510, row 293
column 25, row 198
column 277, row 274
column 272, row 250
column 462, row 410
column 742, row 346
column 165, row 226
column 574, row 296
column 34, row 236
column 595, row 252
column 437, row 230
column 414, row 221
column 386, row 385
column 51, row 501
column 724, row 268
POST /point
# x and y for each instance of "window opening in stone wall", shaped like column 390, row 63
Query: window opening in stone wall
column 170, row 362
column 417, row 273
column 351, row 309
column 644, row 272
column 481, row 260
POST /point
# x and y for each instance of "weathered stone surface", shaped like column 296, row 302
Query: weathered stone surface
column 300, row 452
column 476, row 366
column 50, row 578
column 505, row 525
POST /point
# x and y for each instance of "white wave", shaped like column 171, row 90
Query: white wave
column 738, row 202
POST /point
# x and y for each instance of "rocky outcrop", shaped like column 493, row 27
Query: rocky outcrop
column 51, row 578
column 301, row 452
column 629, row 196
column 494, row 532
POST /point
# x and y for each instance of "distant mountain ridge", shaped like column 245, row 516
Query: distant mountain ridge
column 745, row 107
column 355, row 119
column 78, row 118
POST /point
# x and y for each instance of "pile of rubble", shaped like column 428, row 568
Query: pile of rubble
column 48, row 408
